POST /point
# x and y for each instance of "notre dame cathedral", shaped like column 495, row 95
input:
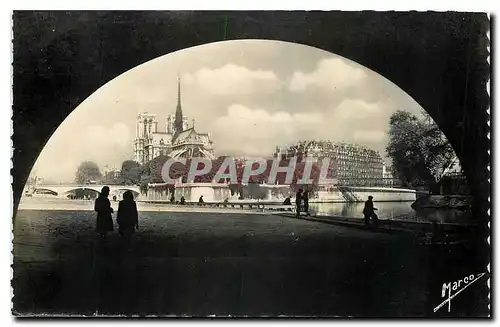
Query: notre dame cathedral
column 178, row 141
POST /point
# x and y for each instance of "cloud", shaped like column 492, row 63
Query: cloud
column 333, row 73
column 369, row 136
column 232, row 79
column 101, row 142
column 258, row 131
column 357, row 109
column 103, row 145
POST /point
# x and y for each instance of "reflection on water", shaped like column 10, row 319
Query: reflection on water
column 386, row 210
column 392, row 210
column 46, row 203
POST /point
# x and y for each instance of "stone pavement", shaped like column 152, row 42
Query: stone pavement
column 216, row 264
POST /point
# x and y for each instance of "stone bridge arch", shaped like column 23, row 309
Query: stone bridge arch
column 135, row 192
column 46, row 190
column 65, row 190
column 95, row 191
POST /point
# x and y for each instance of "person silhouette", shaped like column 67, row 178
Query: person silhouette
column 183, row 200
column 127, row 218
column 369, row 211
column 305, row 197
column 298, row 201
column 103, row 208
column 200, row 200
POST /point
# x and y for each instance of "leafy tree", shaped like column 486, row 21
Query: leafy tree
column 420, row 153
column 143, row 183
column 255, row 191
column 87, row 172
column 150, row 172
column 130, row 173
column 110, row 178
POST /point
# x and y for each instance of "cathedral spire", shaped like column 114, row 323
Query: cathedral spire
column 178, row 92
column 178, row 112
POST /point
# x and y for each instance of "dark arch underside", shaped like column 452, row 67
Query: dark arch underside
column 60, row 58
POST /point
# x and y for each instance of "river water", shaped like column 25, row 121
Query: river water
column 386, row 210
column 393, row 210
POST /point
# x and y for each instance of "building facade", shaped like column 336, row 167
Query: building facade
column 387, row 175
column 178, row 141
column 354, row 164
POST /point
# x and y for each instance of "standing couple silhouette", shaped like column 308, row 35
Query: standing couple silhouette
column 127, row 216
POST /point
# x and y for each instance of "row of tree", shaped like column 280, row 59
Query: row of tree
column 88, row 172
column 132, row 173
column 151, row 173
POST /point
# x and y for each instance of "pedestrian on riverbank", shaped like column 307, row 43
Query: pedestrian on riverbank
column 127, row 218
column 200, row 200
column 369, row 211
column 306, row 201
column 298, row 201
column 103, row 208
column 183, row 200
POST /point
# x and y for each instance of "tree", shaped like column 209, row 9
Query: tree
column 87, row 172
column 130, row 173
column 419, row 151
column 255, row 191
column 155, row 168
column 110, row 178
column 143, row 183
column 150, row 172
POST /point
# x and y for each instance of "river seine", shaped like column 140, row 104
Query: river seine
column 386, row 210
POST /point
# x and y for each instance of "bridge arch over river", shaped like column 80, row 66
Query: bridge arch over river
column 64, row 191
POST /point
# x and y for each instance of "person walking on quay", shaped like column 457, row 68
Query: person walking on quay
column 298, row 201
column 103, row 208
column 306, row 201
column 200, row 200
column 127, row 218
column 369, row 211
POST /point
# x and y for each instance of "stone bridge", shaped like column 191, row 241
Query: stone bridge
column 65, row 190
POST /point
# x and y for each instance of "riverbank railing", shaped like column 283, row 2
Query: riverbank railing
column 243, row 205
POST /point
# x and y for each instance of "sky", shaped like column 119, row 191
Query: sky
column 250, row 95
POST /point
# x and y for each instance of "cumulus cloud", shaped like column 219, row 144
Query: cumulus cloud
column 331, row 73
column 232, row 79
column 258, row 131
